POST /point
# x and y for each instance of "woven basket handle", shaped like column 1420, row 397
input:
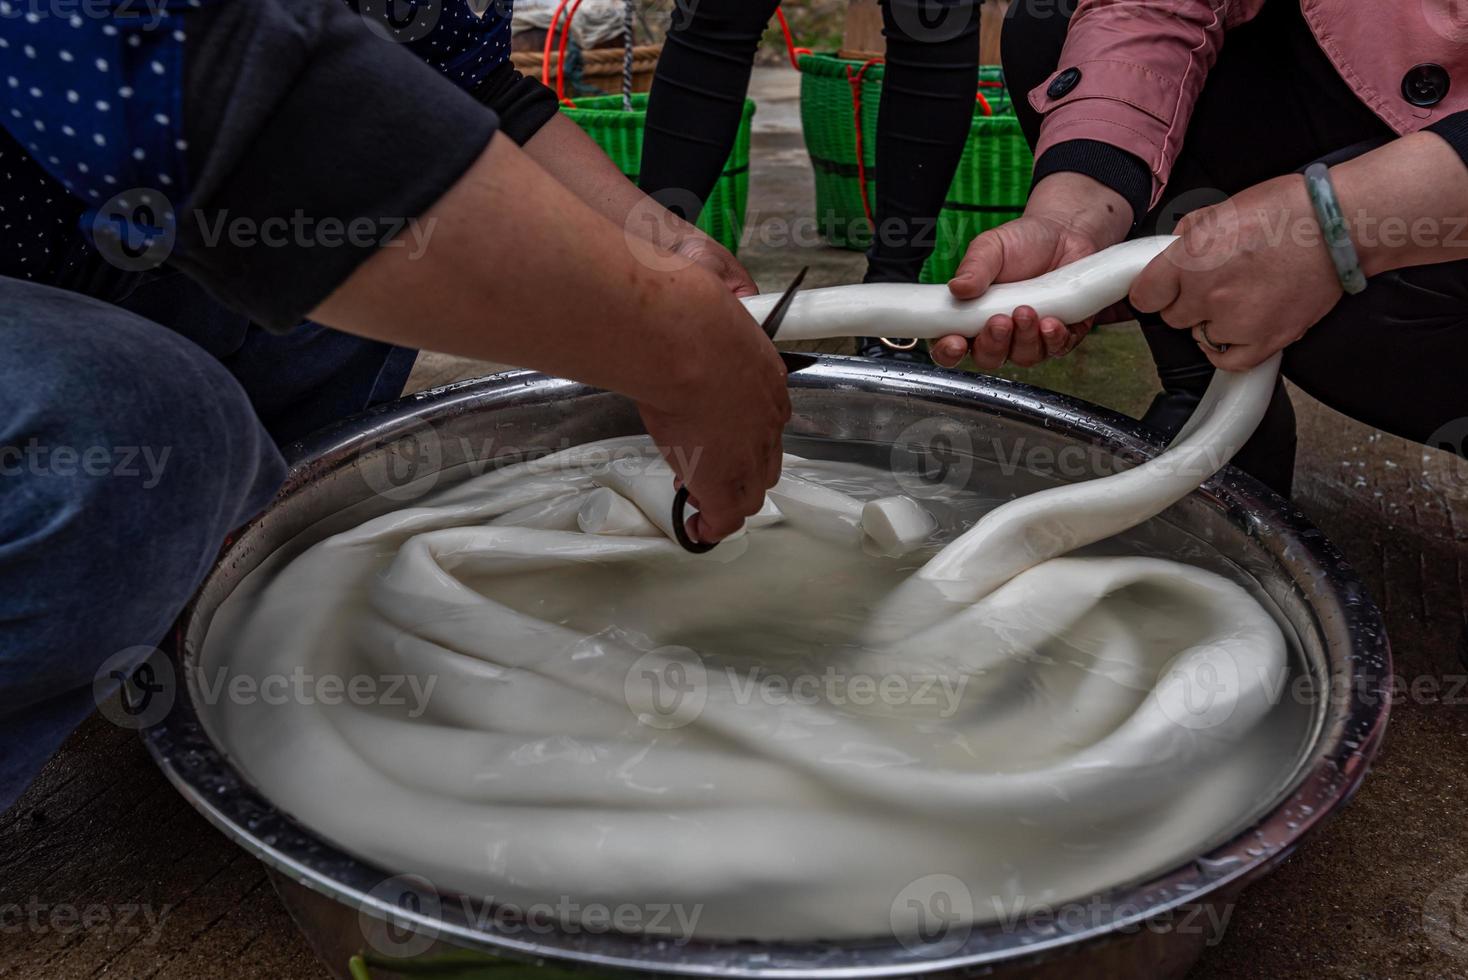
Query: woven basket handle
column 795, row 52
column 550, row 42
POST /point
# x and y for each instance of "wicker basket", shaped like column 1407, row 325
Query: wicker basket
column 989, row 188
column 601, row 68
column 619, row 134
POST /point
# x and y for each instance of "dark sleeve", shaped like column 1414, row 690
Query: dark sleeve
column 1454, row 129
column 522, row 104
column 311, row 142
column 1116, row 168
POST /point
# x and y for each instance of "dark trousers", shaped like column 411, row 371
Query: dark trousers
column 134, row 436
column 922, row 124
column 1391, row 356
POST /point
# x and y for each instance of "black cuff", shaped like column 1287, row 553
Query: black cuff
column 1123, row 172
column 312, row 142
column 522, row 103
column 1454, row 129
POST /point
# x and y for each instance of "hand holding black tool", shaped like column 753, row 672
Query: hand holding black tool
column 793, row 362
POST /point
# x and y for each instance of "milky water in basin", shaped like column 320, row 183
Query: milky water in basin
column 657, row 731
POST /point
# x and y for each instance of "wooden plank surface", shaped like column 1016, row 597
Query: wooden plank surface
column 863, row 33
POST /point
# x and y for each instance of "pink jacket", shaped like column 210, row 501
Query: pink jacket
column 1144, row 62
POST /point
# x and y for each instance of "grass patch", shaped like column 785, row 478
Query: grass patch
column 1112, row 367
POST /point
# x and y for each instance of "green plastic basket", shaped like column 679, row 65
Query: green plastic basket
column 619, row 133
column 989, row 188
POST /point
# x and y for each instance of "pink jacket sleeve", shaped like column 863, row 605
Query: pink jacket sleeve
column 1141, row 64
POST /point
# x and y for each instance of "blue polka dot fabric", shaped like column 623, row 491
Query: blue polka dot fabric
column 464, row 42
column 91, row 92
column 38, row 220
column 97, row 101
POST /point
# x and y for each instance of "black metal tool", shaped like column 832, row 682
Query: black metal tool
column 793, row 362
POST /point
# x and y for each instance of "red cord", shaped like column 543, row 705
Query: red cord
column 561, row 57
column 988, row 109
column 861, row 164
column 855, row 82
column 550, row 40
column 790, row 41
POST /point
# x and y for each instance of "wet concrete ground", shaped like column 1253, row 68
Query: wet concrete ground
column 1382, row 892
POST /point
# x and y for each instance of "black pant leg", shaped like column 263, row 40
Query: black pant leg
column 1393, row 356
column 923, row 121
column 1029, row 48
column 697, row 98
column 927, row 109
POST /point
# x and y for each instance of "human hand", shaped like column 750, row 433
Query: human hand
column 1253, row 271
column 702, row 250
column 720, row 431
column 650, row 226
column 641, row 321
column 1069, row 216
column 665, row 241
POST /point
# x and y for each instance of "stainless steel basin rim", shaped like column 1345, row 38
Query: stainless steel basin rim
column 842, row 398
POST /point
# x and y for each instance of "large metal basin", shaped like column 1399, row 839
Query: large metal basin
column 934, row 421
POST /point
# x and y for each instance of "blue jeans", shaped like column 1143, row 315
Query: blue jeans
column 133, row 438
